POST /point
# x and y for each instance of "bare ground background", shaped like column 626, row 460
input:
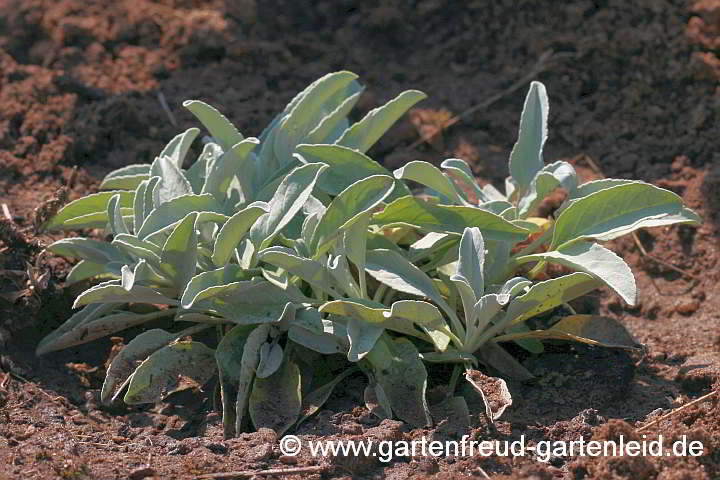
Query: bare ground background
column 632, row 85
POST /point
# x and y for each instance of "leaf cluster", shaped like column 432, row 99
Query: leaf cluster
column 311, row 261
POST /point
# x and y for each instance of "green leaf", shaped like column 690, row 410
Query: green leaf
column 398, row 369
column 305, row 115
column 290, row 196
column 160, row 374
column 327, row 128
column 347, row 166
column 323, row 336
column 220, row 128
column 115, row 218
column 232, row 232
column 271, row 357
column 347, row 208
column 125, row 362
column 549, row 294
column 177, row 148
column 426, row 316
column 276, row 401
column 312, row 271
column 469, row 277
column 619, row 210
column 363, row 134
column 447, row 219
column 591, row 329
column 88, row 249
column 197, row 173
column 596, row 260
column 526, row 156
column 168, row 214
column 94, row 205
column 179, row 254
column 362, row 336
column 211, row 283
column 85, row 269
column 126, row 178
column 234, row 163
column 552, row 176
column 394, row 270
column 139, row 205
column 113, row 292
column 355, row 246
column 246, row 373
column 317, row 398
column 229, row 356
column 85, row 315
column 429, row 175
column 173, row 184
column 139, row 248
column 461, row 175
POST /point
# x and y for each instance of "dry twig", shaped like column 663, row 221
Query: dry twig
column 677, row 410
column 166, row 108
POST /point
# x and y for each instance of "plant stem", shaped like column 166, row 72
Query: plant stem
column 457, row 370
column 380, row 292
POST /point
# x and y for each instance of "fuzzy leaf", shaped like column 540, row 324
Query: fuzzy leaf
column 619, row 210
column 113, row 292
column 177, row 148
column 168, row 214
column 447, row 219
column 126, row 178
column 179, row 254
column 429, row 175
column 94, row 205
column 222, row 131
column 363, row 134
column 160, row 374
column 276, row 401
column 526, row 156
column 232, row 232
column 173, row 184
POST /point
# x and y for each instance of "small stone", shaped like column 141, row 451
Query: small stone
column 142, row 472
column 288, row 460
column 687, row 307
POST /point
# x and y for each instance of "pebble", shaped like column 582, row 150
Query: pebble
column 687, row 307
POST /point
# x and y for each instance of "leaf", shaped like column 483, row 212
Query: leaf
column 552, row 176
column 392, row 269
column 596, row 260
column 526, row 156
column 362, row 336
column 363, row 134
column 139, row 248
column 113, row 292
column 168, row 214
column 347, row 166
column 289, row 198
column 85, row 315
column 160, row 374
column 95, row 203
column 276, row 401
column 85, row 269
column 177, row 148
column 115, row 218
column 323, row 336
column 355, row 246
column 205, row 284
column 234, row 163
column 447, row 219
column 88, row 249
column 494, row 393
column 271, row 357
column 401, row 374
column 313, row 272
column 349, row 207
column 619, row 210
column 312, row 402
column 376, row 400
column 197, row 173
column 305, row 115
column 222, row 131
column 548, row 294
column 426, row 316
column 429, row 175
column 494, row 356
column 246, row 374
column 179, row 254
column 126, row 178
column 469, row 277
column 232, row 232
column 124, row 363
column 173, row 184
column 591, row 329
column 229, row 355
column 331, row 127
column 139, row 205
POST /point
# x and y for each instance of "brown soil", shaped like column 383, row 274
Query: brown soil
column 633, row 87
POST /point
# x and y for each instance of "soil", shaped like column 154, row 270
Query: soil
column 633, row 89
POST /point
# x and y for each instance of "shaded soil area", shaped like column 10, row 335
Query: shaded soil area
column 633, row 93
